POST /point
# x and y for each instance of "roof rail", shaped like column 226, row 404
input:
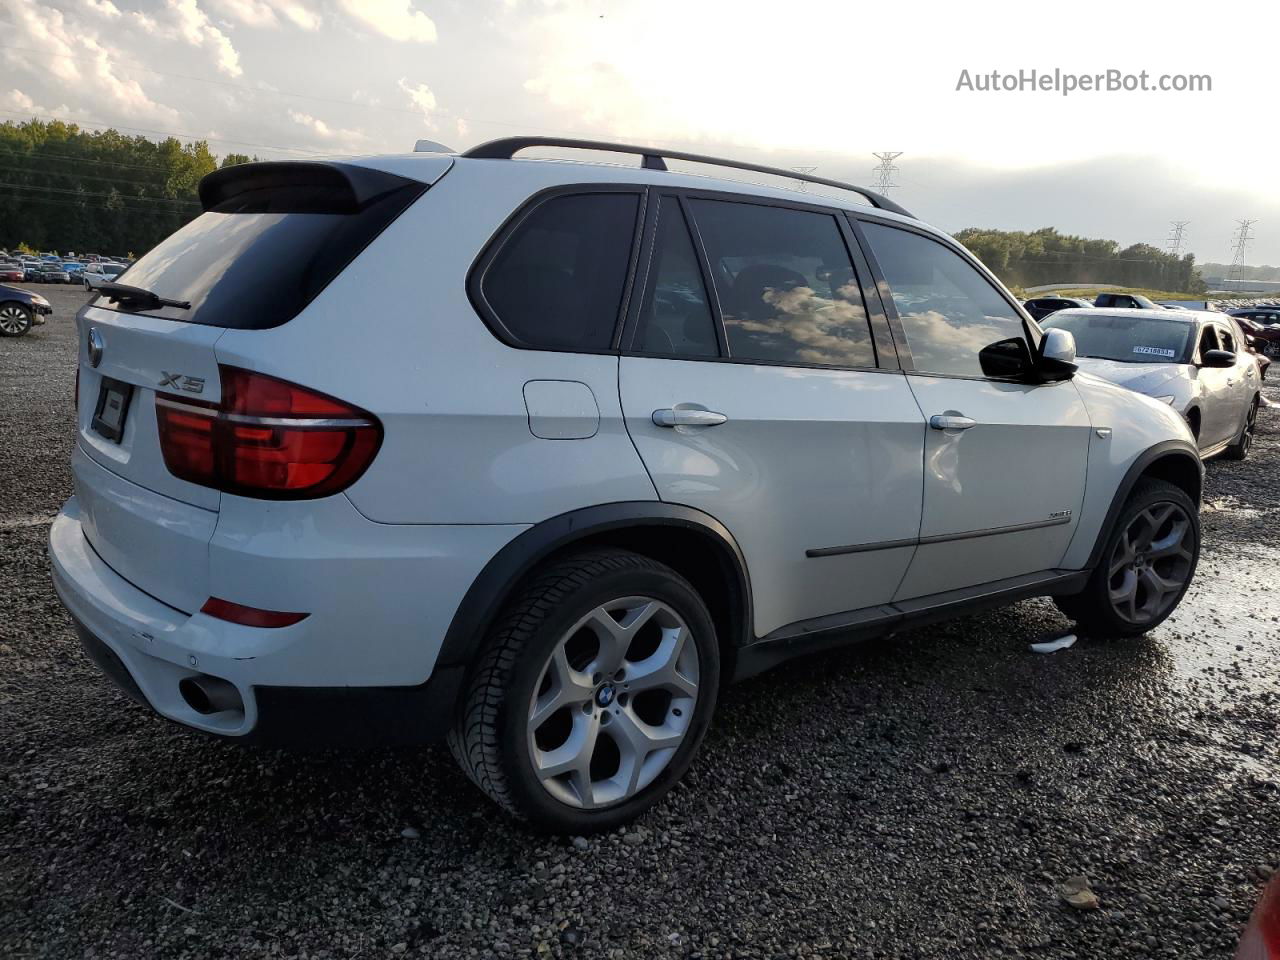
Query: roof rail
column 507, row 147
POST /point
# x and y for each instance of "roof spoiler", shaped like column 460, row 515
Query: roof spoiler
column 298, row 186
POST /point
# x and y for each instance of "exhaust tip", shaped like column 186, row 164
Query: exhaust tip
column 208, row 695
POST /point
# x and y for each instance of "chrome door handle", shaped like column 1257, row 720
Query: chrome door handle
column 943, row 421
column 687, row 417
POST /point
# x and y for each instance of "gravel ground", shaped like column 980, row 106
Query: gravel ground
column 917, row 797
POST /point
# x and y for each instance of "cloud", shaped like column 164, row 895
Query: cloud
column 421, row 97
column 73, row 59
column 396, row 19
column 330, row 136
column 270, row 13
column 184, row 20
column 103, row 8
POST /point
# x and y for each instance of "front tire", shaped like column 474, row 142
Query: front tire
column 592, row 693
column 15, row 320
column 1146, row 566
column 1244, row 443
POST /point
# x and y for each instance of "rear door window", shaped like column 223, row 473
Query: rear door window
column 785, row 284
column 675, row 317
column 556, row 282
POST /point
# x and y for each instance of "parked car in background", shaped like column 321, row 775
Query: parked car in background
column 604, row 469
column 1133, row 301
column 73, row 267
column 1195, row 361
column 1041, row 307
column 51, row 273
column 12, row 273
column 1262, row 324
column 99, row 272
column 20, row 310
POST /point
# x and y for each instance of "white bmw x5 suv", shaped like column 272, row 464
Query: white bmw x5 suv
column 539, row 454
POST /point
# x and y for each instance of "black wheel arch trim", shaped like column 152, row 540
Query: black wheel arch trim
column 1166, row 448
column 490, row 590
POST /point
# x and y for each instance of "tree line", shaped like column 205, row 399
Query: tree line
column 1220, row 270
column 63, row 188
column 1046, row 256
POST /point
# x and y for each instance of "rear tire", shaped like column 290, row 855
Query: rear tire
column 592, row 693
column 1147, row 564
column 15, row 320
column 1244, row 443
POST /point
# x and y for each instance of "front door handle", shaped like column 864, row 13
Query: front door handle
column 946, row 421
column 687, row 417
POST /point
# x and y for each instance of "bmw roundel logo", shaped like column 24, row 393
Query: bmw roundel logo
column 95, row 347
column 605, row 695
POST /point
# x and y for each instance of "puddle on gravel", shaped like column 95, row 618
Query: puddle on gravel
column 1227, row 628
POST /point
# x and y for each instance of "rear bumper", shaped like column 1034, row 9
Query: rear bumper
column 359, row 671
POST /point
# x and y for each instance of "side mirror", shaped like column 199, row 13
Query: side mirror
column 1217, row 358
column 1008, row 359
column 1057, row 359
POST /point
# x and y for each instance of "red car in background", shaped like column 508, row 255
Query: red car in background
column 1261, row 940
column 10, row 273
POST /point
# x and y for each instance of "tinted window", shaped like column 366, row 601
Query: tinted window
column 557, row 281
column 274, row 235
column 948, row 309
column 1132, row 339
column 1208, row 340
column 676, row 317
column 1228, row 342
column 786, row 285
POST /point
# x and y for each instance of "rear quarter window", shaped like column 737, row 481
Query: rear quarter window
column 556, row 280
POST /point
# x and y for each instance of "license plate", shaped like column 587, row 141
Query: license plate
column 112, row 408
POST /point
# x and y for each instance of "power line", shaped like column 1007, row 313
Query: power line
column 108, row 196
column 161, row 133
column 67, row 158
column 1177, row 234
column 77, row 175
column 1241, row 239
column 885, row 171
column 803, row 185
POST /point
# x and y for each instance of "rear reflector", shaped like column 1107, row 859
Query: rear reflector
column 267, row 438
column 249, row 616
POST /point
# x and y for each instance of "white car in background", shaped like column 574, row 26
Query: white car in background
column 95, row 274
column 1193, row 360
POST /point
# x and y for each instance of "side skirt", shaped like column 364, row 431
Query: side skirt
column 842, row 629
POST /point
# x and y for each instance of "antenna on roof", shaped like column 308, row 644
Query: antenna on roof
column 430, row 146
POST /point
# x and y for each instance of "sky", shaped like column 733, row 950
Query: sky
column 815, row 83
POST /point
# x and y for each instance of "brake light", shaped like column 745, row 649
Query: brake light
column 267, row 438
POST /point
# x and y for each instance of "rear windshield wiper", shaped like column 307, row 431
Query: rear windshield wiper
column 148, row 300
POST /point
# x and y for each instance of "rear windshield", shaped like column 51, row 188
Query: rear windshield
column 271, row 239
column 1125, row 337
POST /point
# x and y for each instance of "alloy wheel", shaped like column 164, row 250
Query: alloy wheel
column 1250, row 425
column 13, row 319
column 614, row 702
column 1151, row 563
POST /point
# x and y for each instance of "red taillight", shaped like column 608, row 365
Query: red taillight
column 249, row 616
column 267, row 438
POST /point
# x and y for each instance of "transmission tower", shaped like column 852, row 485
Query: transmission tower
column 1241, row 239
column 803, row 185
column 885, row 171
column 1177, row 234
